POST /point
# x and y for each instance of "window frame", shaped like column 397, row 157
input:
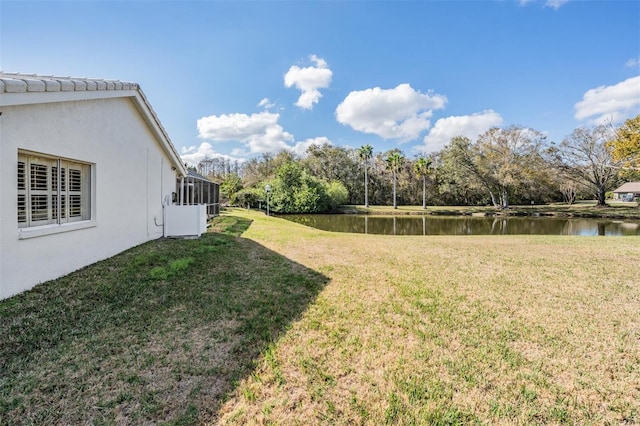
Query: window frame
column 63, row 187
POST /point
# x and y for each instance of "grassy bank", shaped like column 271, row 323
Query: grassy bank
column 450, row 330
column 290, row 325
column 614, row 210
column 160, row 333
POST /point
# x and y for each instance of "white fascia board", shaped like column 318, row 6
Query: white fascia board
column 152, row 120
column 27, row 98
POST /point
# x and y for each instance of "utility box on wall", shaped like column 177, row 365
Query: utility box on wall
column 185, row 220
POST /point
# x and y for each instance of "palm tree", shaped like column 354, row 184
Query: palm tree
column 394, row 161
column 365, row 153
column 422, row 168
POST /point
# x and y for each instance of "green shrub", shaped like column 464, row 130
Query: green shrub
column 337, row 194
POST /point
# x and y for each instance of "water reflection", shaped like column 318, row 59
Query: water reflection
column 465, row 225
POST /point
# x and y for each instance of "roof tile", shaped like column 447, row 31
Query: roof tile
column 19, row 83
column 67, row 85
column 13, row 85
column 79, row 84
column 34, row 85
column 52, row 85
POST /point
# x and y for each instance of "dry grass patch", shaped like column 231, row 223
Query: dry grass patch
column 452, row 330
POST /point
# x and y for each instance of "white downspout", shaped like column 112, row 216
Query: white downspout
column 162, row 198
column 147, row 193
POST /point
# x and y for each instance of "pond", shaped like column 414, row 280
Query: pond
column 467, row 225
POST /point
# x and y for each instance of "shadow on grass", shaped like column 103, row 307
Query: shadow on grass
column 230, row 225
column 160, row 333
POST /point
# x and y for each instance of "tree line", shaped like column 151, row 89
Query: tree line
column 503, row 166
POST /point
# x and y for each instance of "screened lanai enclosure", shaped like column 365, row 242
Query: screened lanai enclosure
column 195, row 200
column 195, row 189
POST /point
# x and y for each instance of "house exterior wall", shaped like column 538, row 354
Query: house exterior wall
column 627, row 192
column 131, row 178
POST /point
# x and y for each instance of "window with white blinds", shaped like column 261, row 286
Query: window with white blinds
column 52, row 190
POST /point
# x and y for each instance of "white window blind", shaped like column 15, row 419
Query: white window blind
column 22, row 193
column 52, row 190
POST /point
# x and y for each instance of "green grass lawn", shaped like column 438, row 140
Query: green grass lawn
column 160, row 333
column 264, row 321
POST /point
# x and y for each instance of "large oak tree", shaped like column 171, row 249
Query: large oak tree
column 503, row 161
column 586, row 159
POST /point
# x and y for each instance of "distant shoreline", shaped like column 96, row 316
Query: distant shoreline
column 617, row 211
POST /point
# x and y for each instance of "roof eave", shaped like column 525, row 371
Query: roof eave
column 26, row 89
column 154, row 123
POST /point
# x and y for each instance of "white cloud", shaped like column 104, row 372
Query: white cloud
column 632, row 62
column 401, row 113
column 240, row 152
column 320, row 63
column 308, row 80
column 194, row 155
column 300, row 148
column 266, row 103
column 610, row 103
column 554, row 4
column 470, row 126
column 257, row 132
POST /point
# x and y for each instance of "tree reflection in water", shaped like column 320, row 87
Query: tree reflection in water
column 465, row 225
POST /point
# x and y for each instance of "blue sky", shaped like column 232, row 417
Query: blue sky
column 241, row 78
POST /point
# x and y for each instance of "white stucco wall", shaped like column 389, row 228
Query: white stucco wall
column 132, row 175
